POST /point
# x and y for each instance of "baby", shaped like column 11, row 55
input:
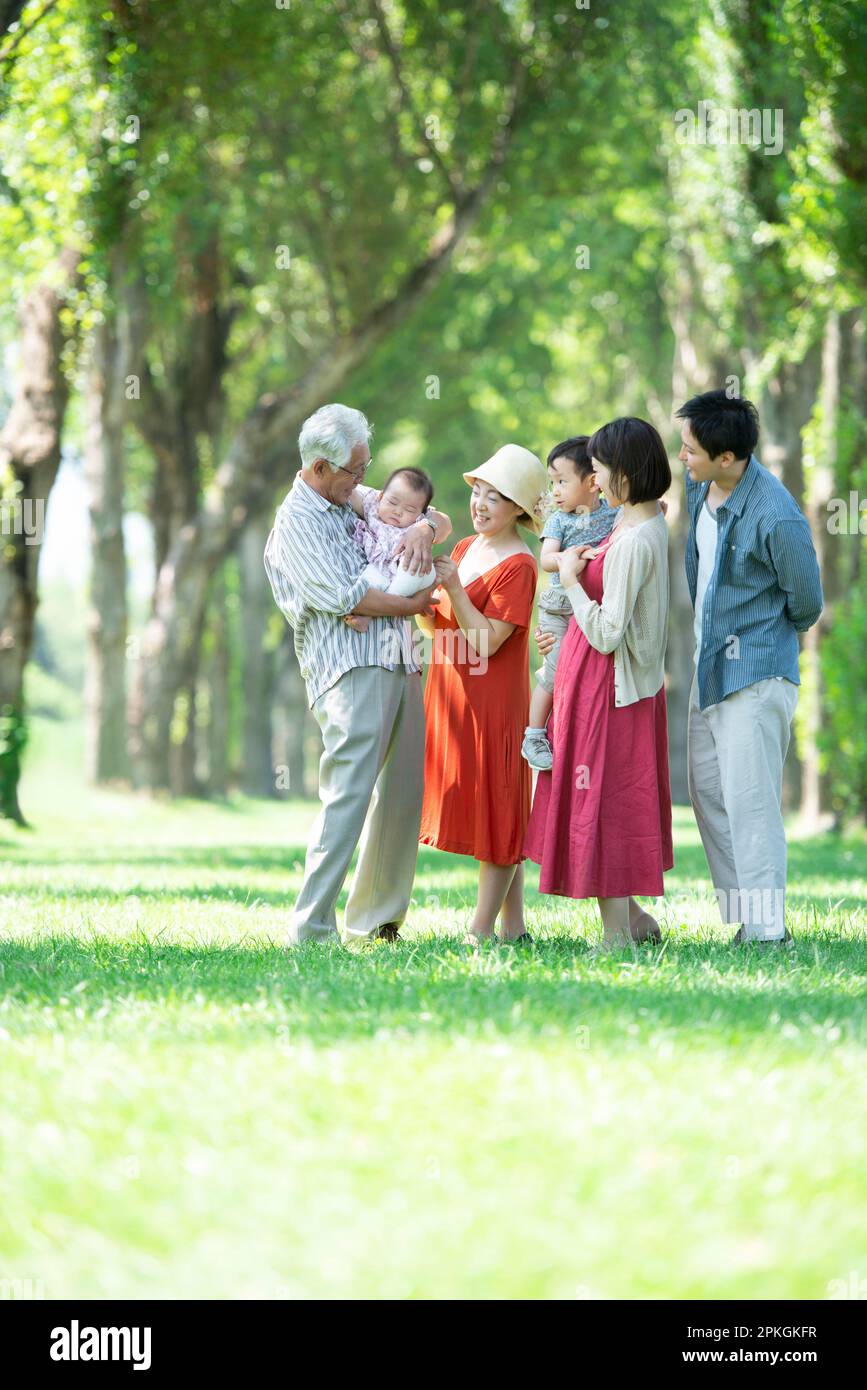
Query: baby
column 581, row 516
column 385, row 517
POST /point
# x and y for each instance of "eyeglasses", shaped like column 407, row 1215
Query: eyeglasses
column 354, row 473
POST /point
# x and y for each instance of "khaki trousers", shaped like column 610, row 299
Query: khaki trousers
column 371, row 778
column 736, row 750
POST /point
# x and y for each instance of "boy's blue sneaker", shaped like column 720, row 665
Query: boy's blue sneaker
column 536, row 750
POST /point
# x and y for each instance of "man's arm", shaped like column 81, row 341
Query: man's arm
column 797, row 569
column 298, row 567
column 376, row 604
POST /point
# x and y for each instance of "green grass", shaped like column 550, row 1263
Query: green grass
column 191, row 1110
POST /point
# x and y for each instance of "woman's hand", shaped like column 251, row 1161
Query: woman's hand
column 544, row 641
column 447, row 574
column 571, row 562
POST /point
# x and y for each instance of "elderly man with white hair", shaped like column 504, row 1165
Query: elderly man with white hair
column 364, row 687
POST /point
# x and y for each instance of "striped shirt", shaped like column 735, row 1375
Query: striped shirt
column 315, row 567
column 764, row 588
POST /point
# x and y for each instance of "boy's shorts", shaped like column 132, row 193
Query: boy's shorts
column 556, row 621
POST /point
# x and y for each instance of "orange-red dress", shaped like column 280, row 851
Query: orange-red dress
column 476, row 784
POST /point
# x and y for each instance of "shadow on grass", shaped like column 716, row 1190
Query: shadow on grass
column 689, row 861
column 252, row 858
column 445, row 893
column 447, row 877
column 707, row 992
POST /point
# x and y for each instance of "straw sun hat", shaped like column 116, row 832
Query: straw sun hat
column 518, row 475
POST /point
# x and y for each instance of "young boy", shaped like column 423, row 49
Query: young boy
column 581, row 516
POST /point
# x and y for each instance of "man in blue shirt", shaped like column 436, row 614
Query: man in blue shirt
column 754, row 582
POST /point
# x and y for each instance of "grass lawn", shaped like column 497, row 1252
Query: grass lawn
column 191, row 1110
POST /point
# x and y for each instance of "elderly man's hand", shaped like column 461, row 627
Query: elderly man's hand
column 421, row 603
column 416, row 548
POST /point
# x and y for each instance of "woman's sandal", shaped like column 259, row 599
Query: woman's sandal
column 525, row 939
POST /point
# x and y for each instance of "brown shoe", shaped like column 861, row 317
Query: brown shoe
column 389, row 932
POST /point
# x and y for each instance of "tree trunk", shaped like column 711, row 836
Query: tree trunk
column 173, row 417
column 786, row 407
column 29, row 460
column 816, row 790
column 294, row 725
column 243, row 485
column 691, row 372
column 217, row 674
column 854, row 374
column 184, row 778
column 257, row 608
column 105, row 682
column 161, row 756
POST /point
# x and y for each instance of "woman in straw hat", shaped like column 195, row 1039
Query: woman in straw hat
column 477, row 785
column 601, row 822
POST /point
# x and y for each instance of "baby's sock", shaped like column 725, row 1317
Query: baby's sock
column 530, row 730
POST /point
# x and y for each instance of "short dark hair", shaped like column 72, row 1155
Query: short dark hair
column 418, row 479
column 720, row 422
column 576, row 450
column 632, row 450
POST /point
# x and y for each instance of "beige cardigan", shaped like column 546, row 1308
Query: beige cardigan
column 632, row 619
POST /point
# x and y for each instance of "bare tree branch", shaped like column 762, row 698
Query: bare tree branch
column 407, row 103
column 11, row 16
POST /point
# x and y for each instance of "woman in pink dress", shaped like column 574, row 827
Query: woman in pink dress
column 600, row 825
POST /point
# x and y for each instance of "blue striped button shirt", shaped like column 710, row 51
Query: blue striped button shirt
column 765, row 587
column 314, row 565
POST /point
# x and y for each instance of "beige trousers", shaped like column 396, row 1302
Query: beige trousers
column 555, row 621
column 371, row 778
column 736, row 750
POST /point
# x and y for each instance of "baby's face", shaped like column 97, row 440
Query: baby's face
column 400, row 504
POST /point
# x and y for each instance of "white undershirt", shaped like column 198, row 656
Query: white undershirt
column 705, row 535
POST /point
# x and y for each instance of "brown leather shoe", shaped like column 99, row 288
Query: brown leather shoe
column 390, row 932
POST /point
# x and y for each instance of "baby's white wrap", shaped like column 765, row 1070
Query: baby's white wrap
column 403, row 584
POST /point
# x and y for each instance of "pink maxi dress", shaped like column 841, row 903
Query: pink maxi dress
column 600, row 826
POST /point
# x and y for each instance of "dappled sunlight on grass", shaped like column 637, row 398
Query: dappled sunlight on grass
column 192, row 1109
